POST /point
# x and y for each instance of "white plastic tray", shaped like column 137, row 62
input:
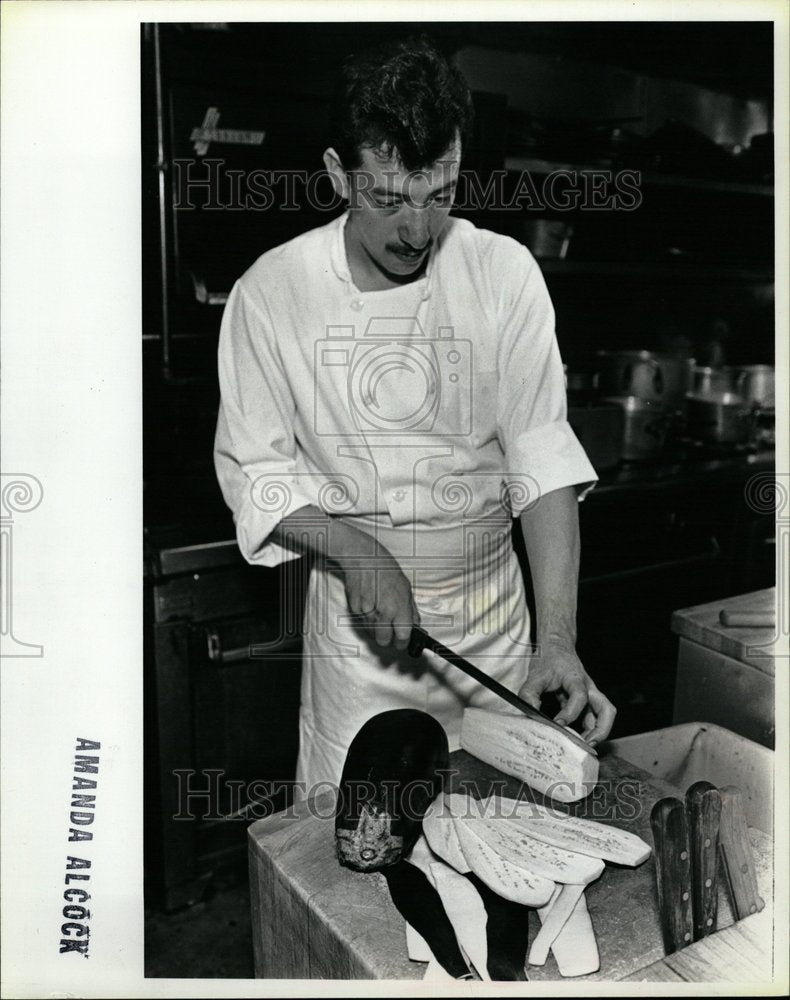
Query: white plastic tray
column 696, row 751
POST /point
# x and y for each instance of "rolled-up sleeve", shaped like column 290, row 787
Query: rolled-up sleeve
column 254, row 446
column 532, row 414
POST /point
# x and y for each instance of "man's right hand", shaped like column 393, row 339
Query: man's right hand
column 377, row 589
column 380, row 594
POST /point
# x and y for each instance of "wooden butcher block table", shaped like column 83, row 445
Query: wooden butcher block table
column 313, row 919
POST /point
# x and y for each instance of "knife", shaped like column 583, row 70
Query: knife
column 673, row 872
column 736, row 852
column 703, row 812
column 420, row 640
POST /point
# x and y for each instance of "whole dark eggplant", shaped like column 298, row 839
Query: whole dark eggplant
column 394, row 769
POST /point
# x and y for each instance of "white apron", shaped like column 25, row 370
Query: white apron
column 468, row 587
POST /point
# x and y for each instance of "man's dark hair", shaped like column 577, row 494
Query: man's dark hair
column 403, row 98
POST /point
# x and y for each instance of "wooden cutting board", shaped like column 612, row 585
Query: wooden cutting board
column 314, row 919
column 747, row 645
column 741, row 952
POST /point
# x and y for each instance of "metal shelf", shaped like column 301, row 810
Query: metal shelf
column 517, row 164
column 680, row 269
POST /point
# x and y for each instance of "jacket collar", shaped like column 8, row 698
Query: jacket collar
column 341, row 267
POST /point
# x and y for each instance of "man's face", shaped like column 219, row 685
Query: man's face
column 395, row 214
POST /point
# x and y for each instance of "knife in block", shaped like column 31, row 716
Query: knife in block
column 736, row 852
column 703, row 813
column 673, row 872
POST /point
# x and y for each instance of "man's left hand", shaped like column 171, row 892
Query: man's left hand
column 560, row 670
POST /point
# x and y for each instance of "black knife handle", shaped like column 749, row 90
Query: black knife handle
column 417, row 642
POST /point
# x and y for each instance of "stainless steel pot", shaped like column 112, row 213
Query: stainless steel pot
column 755, row 383
column 709, row 381
column 723, row 418
column 600, row 428
column 645, row 426
column 545, row 238
column 657, row 378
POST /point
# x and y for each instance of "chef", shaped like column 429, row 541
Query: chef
column 392, row 397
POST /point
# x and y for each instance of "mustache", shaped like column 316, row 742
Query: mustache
column 407, row 248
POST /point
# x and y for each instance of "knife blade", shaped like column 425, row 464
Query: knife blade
column 703, row 812
column 421, row 640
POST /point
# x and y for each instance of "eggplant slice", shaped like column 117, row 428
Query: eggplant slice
column 507, row 931
column 419, row 903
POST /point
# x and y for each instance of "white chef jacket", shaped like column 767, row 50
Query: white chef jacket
column 428, row 415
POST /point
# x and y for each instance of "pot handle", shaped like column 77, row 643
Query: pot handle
column 740, row 380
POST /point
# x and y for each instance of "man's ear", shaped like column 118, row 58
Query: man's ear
column 335, row 170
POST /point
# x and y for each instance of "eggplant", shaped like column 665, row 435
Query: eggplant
column 394, row 769
column 421, row 906
column 507, row 931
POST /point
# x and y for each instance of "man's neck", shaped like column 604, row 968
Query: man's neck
column 366, row 273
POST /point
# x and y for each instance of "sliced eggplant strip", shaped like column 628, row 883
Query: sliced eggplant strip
column 575, row 948
column 419, row 904
column 524, row 808
column 558, row 912
column 513, row 882
column 507, row 932
column 552, row 825
column 512, row 844
column 529, row 750
column 436, row 974
column 467, row 914
column 439, row 831
column 421, row 856
column 462, row 805
column 461, row 903
column 416, row 946
column 584, row 836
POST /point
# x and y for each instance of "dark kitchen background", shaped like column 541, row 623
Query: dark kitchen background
column 689, row 273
